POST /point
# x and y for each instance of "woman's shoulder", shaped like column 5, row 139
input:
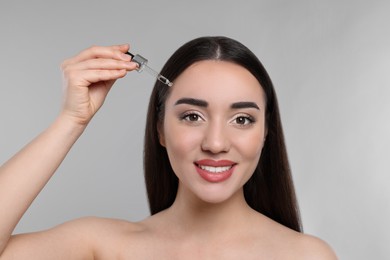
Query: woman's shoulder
column 110, row 237
column 292, row 243
column 102, row 225
column 81, row 238
column 311, row 247
column 109, row 228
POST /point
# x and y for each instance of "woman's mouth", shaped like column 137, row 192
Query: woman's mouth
column 214, row 171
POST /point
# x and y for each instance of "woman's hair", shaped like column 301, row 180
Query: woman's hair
column 270, row 190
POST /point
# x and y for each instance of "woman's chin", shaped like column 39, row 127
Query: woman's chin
column 216, row 197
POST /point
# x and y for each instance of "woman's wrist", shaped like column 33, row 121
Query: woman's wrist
column 69, row 125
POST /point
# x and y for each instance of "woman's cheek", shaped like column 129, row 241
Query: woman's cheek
column 250, row 146
column 184, row 140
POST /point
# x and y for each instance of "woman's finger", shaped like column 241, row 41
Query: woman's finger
column 87, row 77
column 108, row 64
column 109, row 52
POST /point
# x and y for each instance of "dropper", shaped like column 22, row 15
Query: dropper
column 143, row 64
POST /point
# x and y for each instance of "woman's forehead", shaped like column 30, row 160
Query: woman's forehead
column 215, row 79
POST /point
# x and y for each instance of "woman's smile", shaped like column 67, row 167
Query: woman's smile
column 214, row 171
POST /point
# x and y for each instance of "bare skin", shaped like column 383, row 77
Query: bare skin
column 210, row 227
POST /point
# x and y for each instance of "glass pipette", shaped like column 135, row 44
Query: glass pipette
column 143, row 65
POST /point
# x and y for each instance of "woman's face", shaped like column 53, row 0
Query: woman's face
column 214, row 129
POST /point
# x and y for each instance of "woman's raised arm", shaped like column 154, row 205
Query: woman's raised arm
column 88, row 77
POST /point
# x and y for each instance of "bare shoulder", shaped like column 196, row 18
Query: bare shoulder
column 310, row 247
column 98, row 224
column 303, row 246
column 83, row 238
column 103, row 232
column 113, row 238
column 92, row 227
column 290, row 244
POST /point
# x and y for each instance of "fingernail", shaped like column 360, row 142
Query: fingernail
column 135, row 63
column 125, row 57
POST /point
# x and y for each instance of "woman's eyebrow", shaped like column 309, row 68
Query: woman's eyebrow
column 203, row 103
column 245, row 104
column 192, row 101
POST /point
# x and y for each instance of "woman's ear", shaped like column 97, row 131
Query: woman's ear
column 265, row 133
column 160, row 130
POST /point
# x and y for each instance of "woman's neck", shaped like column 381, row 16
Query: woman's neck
column 191, row 215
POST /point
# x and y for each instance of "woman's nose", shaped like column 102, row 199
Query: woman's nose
column 215, row 139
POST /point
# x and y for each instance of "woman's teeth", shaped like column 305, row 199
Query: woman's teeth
column 215, row 169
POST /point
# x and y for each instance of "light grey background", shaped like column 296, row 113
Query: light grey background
column 329, row 61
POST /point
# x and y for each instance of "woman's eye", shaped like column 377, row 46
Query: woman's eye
column 192, row 117
column 243, row 120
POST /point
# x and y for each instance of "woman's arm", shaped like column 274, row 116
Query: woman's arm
column 88, row 77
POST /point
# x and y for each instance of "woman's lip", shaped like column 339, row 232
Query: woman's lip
column 213, row 163
column 215, row 177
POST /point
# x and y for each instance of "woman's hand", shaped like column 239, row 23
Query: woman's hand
column 89, row 76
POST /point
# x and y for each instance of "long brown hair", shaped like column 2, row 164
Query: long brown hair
column 270, row 190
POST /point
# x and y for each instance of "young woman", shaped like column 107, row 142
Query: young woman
column 216, row 168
